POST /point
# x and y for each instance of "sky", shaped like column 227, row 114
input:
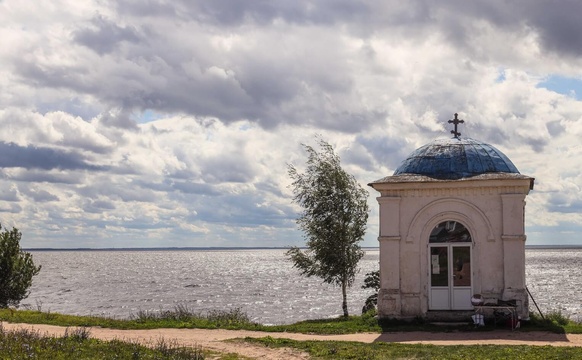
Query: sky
column 157, row 123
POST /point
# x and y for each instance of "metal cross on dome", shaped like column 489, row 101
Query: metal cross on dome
column 456, row 121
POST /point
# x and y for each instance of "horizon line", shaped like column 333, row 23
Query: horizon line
column 209, row 248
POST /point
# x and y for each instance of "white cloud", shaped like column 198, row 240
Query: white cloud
column 236, row 87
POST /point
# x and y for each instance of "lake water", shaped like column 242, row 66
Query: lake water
column 260, row 282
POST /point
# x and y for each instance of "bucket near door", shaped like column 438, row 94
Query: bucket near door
column 477, row 300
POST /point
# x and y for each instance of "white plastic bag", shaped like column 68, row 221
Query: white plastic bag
column 478, row 320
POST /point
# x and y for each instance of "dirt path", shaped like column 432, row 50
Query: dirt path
column 214, row 339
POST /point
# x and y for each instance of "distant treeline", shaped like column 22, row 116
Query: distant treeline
column 226, row 248
column 169, row 249
column 210, row 248
column 555, row 247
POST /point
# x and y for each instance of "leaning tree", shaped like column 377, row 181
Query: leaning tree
column 333, row 219
column 16, row 269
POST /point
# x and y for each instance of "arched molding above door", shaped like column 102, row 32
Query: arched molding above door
column 449, row 209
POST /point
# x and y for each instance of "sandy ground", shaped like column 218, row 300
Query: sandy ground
column 214, row 339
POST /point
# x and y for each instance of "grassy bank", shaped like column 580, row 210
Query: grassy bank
column 380, row 351
column 181, row 317
column 235, row 319
column 77, row 344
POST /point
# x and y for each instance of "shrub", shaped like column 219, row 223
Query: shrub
column 558, row 317
column 372, row 281
column 16, row 269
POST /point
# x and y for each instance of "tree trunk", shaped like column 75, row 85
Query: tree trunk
column 345, row 299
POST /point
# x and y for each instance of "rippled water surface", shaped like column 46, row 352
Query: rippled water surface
column 554, row 277
column 118, row 283
column 260, row 282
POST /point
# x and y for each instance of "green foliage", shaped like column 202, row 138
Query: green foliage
column 384, row 350
column 333, row 220
column 372, row 281
column 182, row 317
column 558, row 318
column 80, row 333
column 553, row 321
column 234, row 319
column 341, row 325
column 16, row 269
column 223, row 319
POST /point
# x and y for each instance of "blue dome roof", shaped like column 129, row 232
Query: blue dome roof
column 456, row 158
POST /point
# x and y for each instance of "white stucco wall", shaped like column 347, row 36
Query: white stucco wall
column 493, row 212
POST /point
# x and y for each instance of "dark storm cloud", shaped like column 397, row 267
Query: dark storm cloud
column 565, row 203
column 196, row 188
column 37, row 195
column 224, row 168
column 118, row 119
column 123, row 190
column 235, row 13
column 505, row 135
column 286, row 81
column 385, row 151
column 32, row 157
column 13, row 208
column 555, row 128
column 71, row 105
column 148, row 8
column 559, row 26
column 261, row 89
column 98, row 206
column 243, row 210
column 165, row 74
column 270, row 187
column 55, row 76
column 43, row 176
column 557, row 23
column 8, row 193
column 104, row 35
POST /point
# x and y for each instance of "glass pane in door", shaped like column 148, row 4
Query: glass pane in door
column 439, row 266
column 461, row 266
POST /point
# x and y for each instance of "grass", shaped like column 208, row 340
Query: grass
column 178, row 318
column 352, row 350
column 182, row 317
column 78, row 344
column 554, row 322
column 235, row 319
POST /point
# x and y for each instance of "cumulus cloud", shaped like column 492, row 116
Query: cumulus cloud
column 152, row 123
column 32, row 157
column 103, row 36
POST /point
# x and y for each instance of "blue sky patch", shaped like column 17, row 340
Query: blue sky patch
column 500, row 76
column 563, row 85
column 148, row 116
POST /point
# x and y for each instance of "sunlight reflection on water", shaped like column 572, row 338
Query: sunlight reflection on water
column 260, row 282
column 118, row 283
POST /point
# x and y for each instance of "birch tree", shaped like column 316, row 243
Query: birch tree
column 333, row 219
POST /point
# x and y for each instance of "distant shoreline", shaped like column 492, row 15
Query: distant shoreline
column 226, row 248
column 555, row 247
column 207, row 248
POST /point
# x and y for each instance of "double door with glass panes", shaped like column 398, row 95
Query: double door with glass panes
column 450, row 267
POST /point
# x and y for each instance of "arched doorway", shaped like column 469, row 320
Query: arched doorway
column 450, row 275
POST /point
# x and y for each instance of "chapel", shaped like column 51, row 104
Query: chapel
column 451, row 226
